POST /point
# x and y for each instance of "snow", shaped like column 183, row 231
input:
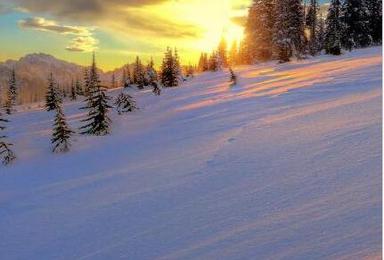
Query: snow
column 285, row 165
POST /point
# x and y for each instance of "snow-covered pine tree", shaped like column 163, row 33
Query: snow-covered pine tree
column 312, row 26
column 222, row 53
column 125, row 103
column 214, row 62
column 170, row 69
column 259, row 30
column 6, row 154
column 150, row 73
column 113, row 81
column 53, row 95
column 233, row 54
column 138, row 74
column 73, row 94
column 289, row 29
column 334, row 29
column 98, row 121
column 79, row 88
column 375, row 18
column 12, row 93
column 86, row 82
column 356, row 31
column 61, row 132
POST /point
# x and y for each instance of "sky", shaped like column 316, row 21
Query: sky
column 117, row 30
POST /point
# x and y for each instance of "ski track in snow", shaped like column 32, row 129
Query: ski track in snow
column 285, row 165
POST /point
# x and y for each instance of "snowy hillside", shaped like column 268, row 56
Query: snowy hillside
column 285, row 165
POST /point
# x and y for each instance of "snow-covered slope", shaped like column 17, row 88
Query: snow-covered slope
column 286, row 165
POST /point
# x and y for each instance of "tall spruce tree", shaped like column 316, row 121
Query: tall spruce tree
column 259, row 30
column 53, row 95
column 79, row 88
column 170, row 69
column 222, row 53
column 375, row 18
column 312, row 26
column 334, row 29
column 6, row 154
column 356, row 31
column 61, row 132
column 12, row 93
column 98, row 121
column 289, row 29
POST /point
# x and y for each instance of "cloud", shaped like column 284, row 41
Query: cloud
column 123, row 16
column 84, row 40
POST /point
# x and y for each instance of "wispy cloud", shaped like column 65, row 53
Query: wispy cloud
column 84, row 40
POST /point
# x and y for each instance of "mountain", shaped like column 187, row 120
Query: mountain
column 32, row 73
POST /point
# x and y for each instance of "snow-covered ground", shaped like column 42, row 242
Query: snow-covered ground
column 286, row 165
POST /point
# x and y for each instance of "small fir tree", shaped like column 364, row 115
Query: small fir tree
column 52, row 97
column 98, row 121
column 125, row 103
column 12, row 93
column 6, row 154
column 61, row 132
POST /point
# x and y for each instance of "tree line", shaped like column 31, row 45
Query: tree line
column 282, row 29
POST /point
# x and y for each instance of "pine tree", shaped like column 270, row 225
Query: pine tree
column 52, row 97
column 61, row 132
column 150, row 73
column 375, row 19
column 222, row 53
column 170, row 69
column 203, row 62
column 79, row 88
column 312, row 25
column 332, row 41
column 356, row 31
column 12, row 93
column 73, row 91
column 289, row 29
column 214, row 62
column 6, row 154
column 138, row 74
column 125, row 103
column 259, row 30
column 86, row 82
column 97, row 122
column 233, row 54
column 113, row 81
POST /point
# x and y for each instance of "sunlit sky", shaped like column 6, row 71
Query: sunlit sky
column 117, row 30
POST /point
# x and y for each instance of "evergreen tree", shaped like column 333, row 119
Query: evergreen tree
column 203, row 62
column 244, row 53
column 97, row 122
column 332, row 42
column 52, row 97
column 214, row 62
column 312, row 25
column 73, row 91
column 79, row 88
column 170, row 69
column 113, row 81
column 150, row 73
column 259, row 30
column 6, row 154
column 320, row 33
column 61, row 132
column 233, row 54
column 86, row 82
column 289, row 29
column 375, row 19
column 12, row 93
column 139, row 74
column 222, row 53
column 125, row 103
column 356, row 31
